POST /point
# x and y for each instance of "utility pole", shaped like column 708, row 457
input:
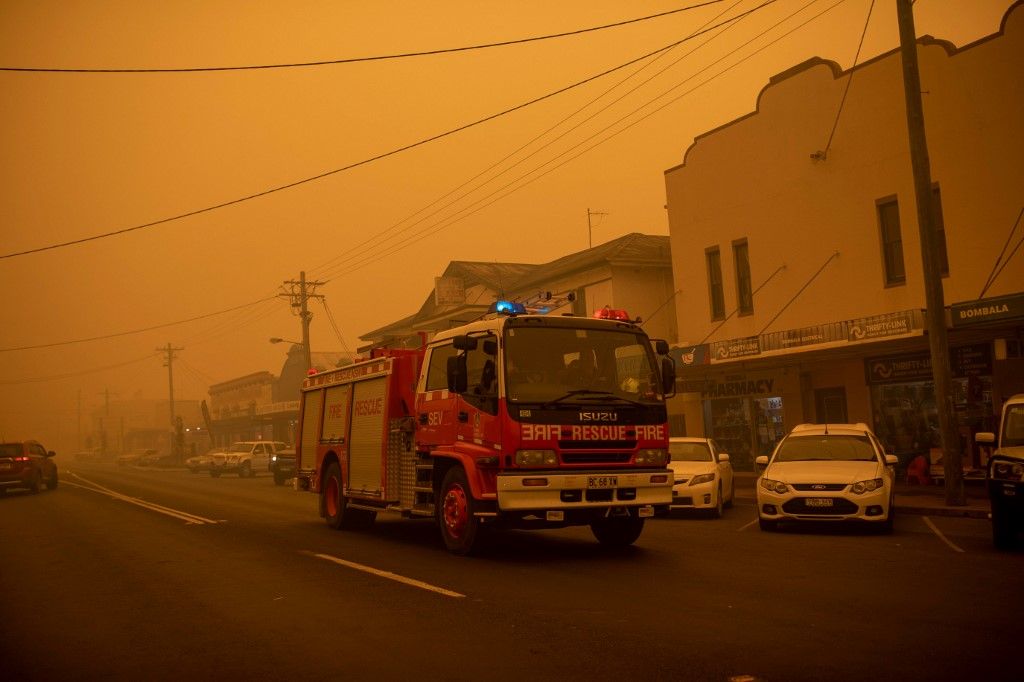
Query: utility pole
column 938, row 339
column 590, row 227
column 169, row 364
column 300, row 292
column 104, row 444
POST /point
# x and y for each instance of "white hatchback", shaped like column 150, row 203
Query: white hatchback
column 827, row 472
column 703, row 475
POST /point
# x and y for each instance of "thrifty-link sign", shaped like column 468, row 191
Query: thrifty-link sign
column 593, row 433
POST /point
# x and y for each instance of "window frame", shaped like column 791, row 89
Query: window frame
column 713, row 254
column 889, row 278
column 744, row 280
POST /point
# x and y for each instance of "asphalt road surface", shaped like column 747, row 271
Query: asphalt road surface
column 134, row 574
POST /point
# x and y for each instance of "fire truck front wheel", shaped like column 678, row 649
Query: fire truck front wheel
column 618, row 531
column 460, row 528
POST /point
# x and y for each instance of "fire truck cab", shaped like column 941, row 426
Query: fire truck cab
column 513, row 421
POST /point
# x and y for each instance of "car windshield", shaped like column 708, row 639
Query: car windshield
column 240, row 447
column 689, row 452
column 1013, row 426
column 573, row 365
column 843, row 448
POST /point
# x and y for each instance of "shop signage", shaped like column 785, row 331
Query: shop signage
column 275, row 408
column 849, row 331
column 737, row 387
column 736, row 348
column 880, row 326
column 964, row 361
column 988, row 310
column 691, row 355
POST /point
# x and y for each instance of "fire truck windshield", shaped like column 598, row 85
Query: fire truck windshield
column 569, row 365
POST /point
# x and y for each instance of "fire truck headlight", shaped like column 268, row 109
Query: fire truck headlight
column 652, row 457
column 536, row 458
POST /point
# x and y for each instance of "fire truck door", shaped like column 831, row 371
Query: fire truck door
column 435, row 406
column 366, row 449
column 480, row 401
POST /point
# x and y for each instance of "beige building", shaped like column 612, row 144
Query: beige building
column 799, row 267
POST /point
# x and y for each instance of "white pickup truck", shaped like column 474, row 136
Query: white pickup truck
column 245, row 457
column 1005, row 474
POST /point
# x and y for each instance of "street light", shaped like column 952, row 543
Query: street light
column 305, row 348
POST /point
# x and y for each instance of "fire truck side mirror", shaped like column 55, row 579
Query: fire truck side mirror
column 457, row 374
column 464, row 342
column 668, row 377
column 661, row 346
column 491, row 347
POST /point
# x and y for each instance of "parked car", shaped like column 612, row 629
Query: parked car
column 134, row 457
column 157, row 459
column 827, row 472
column 198, row 463
column 1006, row 473
column 27, row 464
column 703, row 475
column 91, row 455
column 282, row 465
column 245, row 458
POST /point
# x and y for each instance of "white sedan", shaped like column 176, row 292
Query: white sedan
column 703, row 475
column 827, row 472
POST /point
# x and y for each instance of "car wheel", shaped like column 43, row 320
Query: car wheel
column 36, row 482
column 245, row 471
column 51, row 483
column 767, row 524
column 732, row 493
column 1003, row 531
column 460, row 527
column 716, row 511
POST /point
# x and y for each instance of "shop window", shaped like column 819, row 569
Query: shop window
column 768, row 416
column 727, row 420
column 677, row 425
column 892, row 242
column 744, row 290
column 713, row 258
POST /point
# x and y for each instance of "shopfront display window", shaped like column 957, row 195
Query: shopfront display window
column 729, row 422
column 768, row 416
column 906, row 420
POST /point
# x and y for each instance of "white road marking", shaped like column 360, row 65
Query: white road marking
column 746, row 526
column 941, row 536
column 389, row 575
column 152, row 506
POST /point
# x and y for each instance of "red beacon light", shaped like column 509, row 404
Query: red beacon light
column 607, row 313
column 311, row 372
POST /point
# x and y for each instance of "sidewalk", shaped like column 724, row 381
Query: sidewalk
column 928, row 500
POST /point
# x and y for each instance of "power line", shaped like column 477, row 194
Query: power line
column 68, row 375
column 849, row 81
column 383, row 155
column 133, row 331
column 356, row 250
column 451, row 220
column 352, row 60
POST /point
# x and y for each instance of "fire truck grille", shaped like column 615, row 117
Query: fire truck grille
column 595, row 457
column 597, row 444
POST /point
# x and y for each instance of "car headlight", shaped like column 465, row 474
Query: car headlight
column 867, row 486
column 1007, row 471
column 273, row 458
column 536, row 458
column 652, row 457
column 774, row 486
column 702, row 478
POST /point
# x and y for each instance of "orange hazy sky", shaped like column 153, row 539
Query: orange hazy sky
column 90, row 153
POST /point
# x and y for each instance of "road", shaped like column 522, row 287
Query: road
column 128, row 574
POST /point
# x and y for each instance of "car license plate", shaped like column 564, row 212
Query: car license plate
column 818, row 501
column 602, row 481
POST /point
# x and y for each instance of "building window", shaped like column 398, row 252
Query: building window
column 714, row 263
column 892, row 242
column 940, row 231
column 744, row 293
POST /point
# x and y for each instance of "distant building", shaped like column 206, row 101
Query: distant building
column 124, row 425
column 800, row 271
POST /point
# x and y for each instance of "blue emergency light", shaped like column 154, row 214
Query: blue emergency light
column 508, row 308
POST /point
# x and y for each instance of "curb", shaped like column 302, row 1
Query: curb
column 961, row 512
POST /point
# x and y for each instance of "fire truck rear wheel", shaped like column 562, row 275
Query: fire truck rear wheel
column 617, row 531
column 460, row 528
column 332, row 498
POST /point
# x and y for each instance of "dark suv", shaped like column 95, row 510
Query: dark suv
column 26, row 464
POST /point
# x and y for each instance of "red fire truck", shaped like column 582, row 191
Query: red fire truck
column 516, row 420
